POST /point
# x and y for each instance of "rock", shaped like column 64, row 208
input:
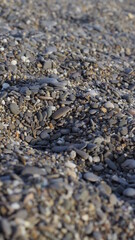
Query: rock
column 28, row 170
column 109, row 105
column 60, row 112
column 89, row 176
column 52, row 82
column 5, row 86
column 82, row 154
column 59, row 149
column 14, row 62
column 96, row 159
column 48, row 64
column 111, row 164
column 14, row 108
column 5, row 227
column 51, row 50
column 129, row 192
column 129, row 164
column 44, row 135
column 70, row 165
column 73, row 154
column 92, row 93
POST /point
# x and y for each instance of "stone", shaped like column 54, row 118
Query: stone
column 29, row 170
column 44, row 135
column 91, row 177
column 5, row 227
column 82, row 154
column 111, row 164
column 60, row 112
column 14, row 108
column 128, row 164
column 129, row 192
column 109, row 105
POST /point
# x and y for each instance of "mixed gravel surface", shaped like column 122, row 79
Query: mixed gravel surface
column 67, row 128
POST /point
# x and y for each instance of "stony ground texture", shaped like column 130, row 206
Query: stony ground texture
column 67, row 108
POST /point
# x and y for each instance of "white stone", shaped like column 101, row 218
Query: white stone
column 14, row 62
column 73, row 154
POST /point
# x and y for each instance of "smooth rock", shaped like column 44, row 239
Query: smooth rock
column 30, row 170
column 6, row 228
column 59, row 149
column 129, row 192
column 111, row 164
column 60, row 112
column 129, row 164
column 14, row 108
column 89, row 176
column 82, row 154
column 44, row 135
column 109, row 105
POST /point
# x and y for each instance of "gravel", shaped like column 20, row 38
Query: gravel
column 67, row 128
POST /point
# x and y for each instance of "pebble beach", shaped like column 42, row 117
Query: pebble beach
column 67, row 120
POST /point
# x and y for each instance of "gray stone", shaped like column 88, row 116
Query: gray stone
column 82, row 154
column 60, row 112
column 89, row 176
column 129, row 164
column 129, row 192
column 59, row 149
column 14, row 108
column 111, row 164
column 44, row 135
column 6, row 228
column 109, row 104
column 29, row 170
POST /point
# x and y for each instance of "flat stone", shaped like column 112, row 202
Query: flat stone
column 52, row 82
column 59, row 149
column 29, row 170
column 60, row 112
column 89, row 176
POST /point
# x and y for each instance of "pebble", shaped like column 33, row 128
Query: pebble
column 44, row 135
column 96, row 159
column 14, row 108
column 5, row 86
column 92, row 93
column 89, row 176
column 81, row 153
column 73, row 154
column 111, row 164
column 109, row 105
column 59, row 149
column 14, row 62
column 128, row 164
column 6, row 228
column 129, row 192
column 67, row 120
column 52, row 82
column 60, row 112
column 70, row 165
column 28, row 170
